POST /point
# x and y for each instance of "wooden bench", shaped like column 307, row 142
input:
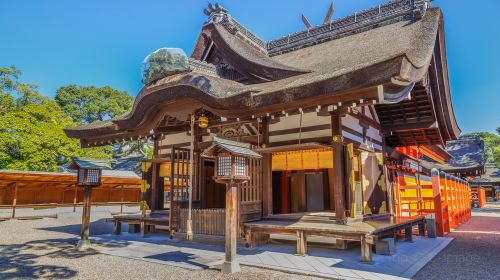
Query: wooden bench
column 302, row 230
column 145, row 224
column 366, row 232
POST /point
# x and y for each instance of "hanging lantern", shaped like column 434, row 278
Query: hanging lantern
column 203, row 121
column 89, row 171
column 231, row 160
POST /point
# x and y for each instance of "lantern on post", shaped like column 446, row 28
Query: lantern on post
column 88, row 175
column 231, row 168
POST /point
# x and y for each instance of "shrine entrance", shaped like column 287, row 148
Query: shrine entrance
column 298, row 191
column 302, row 181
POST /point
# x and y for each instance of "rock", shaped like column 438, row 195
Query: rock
column 162, row 63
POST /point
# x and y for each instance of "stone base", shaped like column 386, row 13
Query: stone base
column 189, row 231
column 385, row 246
column 83, row 245
column 231, row 267
column 431, row 228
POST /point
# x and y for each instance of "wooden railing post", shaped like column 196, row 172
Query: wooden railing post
column 14, row 202
column 74, row 198
column 438, row 207
column 121, row 200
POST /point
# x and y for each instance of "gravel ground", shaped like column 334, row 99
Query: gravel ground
column 475, row 252
column 44, row 249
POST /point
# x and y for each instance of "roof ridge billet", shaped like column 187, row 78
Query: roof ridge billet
column 391, row 12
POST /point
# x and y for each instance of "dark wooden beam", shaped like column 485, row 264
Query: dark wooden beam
column 338, row 166
column 267, row 187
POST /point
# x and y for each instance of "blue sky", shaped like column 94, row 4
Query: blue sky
column 98, row 42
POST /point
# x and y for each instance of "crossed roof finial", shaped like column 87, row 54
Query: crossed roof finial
column 327, row 19
column 214, row 9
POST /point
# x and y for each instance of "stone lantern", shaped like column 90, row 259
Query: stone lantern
column 89, row 173
column 231, row 168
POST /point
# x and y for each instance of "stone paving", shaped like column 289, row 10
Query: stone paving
column 474, row 252
column 321, row 262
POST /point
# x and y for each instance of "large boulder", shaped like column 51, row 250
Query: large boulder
column 162, row 63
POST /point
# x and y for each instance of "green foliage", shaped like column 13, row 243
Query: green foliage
column 90, row 104
column 491, row 146
column 8, row 85
column 31, row 128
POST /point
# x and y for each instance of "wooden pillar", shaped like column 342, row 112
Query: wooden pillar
column 301, row 243
column 285, row 193
column 84, row 235
column 231, row 265
column 438, row 207
column 118, row 228
column 366, row 248
column 121, row 200
column 75, row 198
column 338, row 166
column 14, row 202
column 154, row 186
column 408, row 234
column 267, row 182
column 301, row 187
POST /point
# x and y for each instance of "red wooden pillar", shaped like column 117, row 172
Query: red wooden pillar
column 285, row 193
column 338, row 166
column 438, row 207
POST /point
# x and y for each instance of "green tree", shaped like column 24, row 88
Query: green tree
column 89, row 104
column 32, row 137
column 31, row 128
column 8, row 86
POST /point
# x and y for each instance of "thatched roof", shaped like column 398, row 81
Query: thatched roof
column 467, row 155
column 354, row 57
column 490, row 177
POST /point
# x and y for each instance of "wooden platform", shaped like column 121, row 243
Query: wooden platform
column 365, row 232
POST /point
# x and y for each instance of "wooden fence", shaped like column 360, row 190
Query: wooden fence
column 444, row 196
column 205, row 221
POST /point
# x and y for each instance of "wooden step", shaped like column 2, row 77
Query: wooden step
column 303, row 218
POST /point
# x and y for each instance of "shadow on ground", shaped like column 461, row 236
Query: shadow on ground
column 24, row 260
column 20, row 260
column 182, row 257
column 97, row 227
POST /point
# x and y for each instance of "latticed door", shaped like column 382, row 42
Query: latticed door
column 250, row 193
column 178, row 182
